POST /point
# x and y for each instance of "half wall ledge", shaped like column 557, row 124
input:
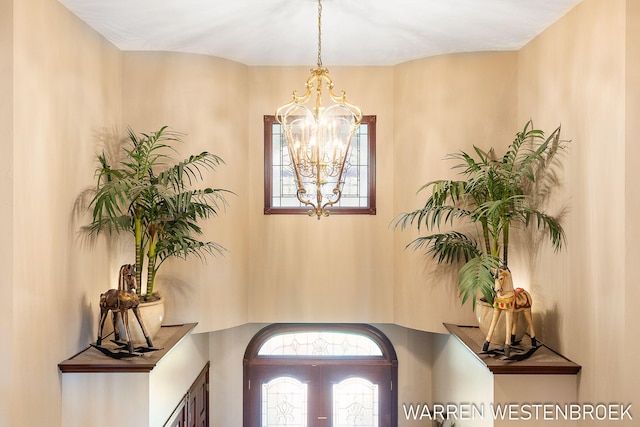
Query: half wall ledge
column 92, row 360
column 544, row 361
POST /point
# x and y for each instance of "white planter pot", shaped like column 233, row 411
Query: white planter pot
column 484, row 314
column 152, row 314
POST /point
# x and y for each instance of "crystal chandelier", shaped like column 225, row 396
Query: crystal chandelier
column 318, row 137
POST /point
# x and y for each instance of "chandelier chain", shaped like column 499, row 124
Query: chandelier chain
column 319, row 33
column 318, row 138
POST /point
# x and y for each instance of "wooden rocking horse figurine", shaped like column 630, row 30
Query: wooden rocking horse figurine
column 120, row 301
column 512, row 302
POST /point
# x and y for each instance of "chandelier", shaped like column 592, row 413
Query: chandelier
column 318, row 137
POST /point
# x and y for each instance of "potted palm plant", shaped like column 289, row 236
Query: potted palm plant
column 145, row 192
column 494, row 195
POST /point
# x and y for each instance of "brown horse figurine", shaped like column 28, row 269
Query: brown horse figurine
column 120, row 301
column 512, row 302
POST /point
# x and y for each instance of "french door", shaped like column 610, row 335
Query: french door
column 320, row 391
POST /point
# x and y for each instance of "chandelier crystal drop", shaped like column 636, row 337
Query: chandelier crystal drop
column 319, row 137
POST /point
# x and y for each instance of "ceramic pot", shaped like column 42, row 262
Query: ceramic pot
column 152, row 314
column 484, row 314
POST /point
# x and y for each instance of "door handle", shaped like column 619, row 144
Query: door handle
column 322, row 418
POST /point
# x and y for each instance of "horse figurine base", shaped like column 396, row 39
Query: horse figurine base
column 513, row 352
column 512, row 302
column 120, row 350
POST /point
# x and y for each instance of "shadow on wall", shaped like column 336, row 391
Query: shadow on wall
column 178, row 293
column 547, row 326
column 110, row 143
column 544, row 194
column 441, row 279
column 107, row 140
column 88, row 324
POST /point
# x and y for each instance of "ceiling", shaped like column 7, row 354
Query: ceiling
column 354, row 32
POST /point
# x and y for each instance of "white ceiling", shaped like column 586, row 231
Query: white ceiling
column 354, row 32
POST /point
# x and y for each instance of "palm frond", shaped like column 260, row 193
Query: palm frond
column 185, row 247
column 431, row 218
column 190, row 170
column 476, row 276
column 448, row 247
column 546, row 222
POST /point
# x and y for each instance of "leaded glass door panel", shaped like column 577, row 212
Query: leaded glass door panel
column 361, row 395
column 355, row 402
column 284, row 403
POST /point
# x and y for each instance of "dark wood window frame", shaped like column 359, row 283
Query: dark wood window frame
column 384, row 368
column 370, row 120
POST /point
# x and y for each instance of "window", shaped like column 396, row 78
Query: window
column 329, row 375
column 358, row 192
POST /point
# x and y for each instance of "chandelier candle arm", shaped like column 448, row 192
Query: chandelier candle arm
column 318, row 138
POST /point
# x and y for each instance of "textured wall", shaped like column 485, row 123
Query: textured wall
column 66, row 91
column 6, row 214
column 339, row 268
column 575, row 74
column 632, row 195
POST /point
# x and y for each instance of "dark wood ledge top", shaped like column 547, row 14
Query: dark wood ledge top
column 543, row 362
column 93, row 360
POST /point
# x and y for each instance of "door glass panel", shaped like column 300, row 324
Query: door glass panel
column 284, row 403
column 355, row 403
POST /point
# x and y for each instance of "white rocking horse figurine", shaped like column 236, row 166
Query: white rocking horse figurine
column 120, row 301
column 512, row 302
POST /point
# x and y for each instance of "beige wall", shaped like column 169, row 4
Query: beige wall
column 453, row 367
column 631, row 349
column 66, row 90
column 364, row 269
column 336, row 269
column 6, row 214
column 576, row 73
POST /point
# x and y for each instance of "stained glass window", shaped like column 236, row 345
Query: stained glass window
column 319, row 344
column 358, row 191
column 355, row 403
column 284, row 403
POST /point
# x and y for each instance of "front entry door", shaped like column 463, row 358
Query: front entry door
column 321, row 375
column 320, row 395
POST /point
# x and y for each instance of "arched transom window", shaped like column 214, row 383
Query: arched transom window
column 299, row 375
column 320, row 344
